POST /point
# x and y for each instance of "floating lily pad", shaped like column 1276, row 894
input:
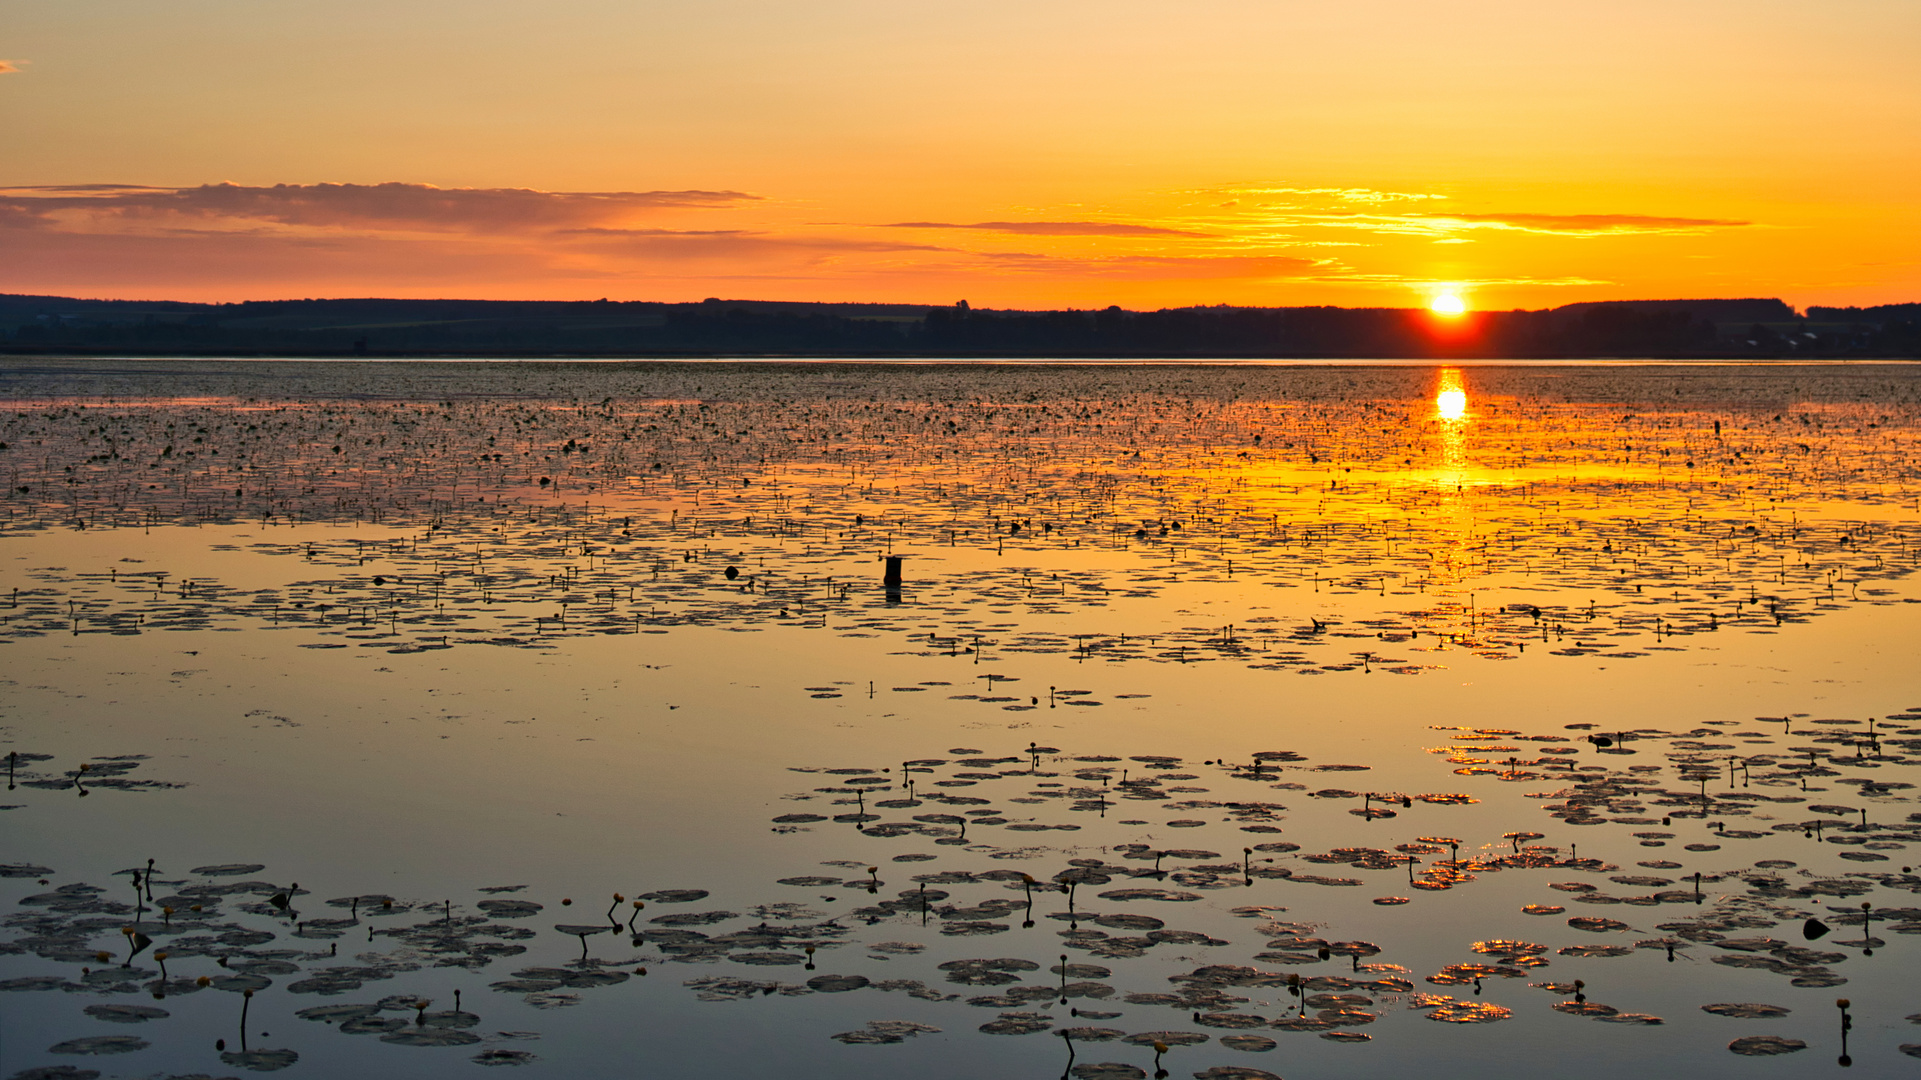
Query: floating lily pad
column 240, row 984
column 1107, row 1070
column 693, row 918
column 1765, row 1045
column 1165, row 1038
column 1253, row 1044
column 1746, row 1010
column 502, row 1057
column 866, row 1037
column 836, row 984
column 1596, row 925
column 674, row 896
column 1017, row 1024
column 334, row 1014
column 228, row 869
column 126, row 1014
column 259, row 1060
column 1469, row 1012
column 1171, row 896
column 1090, row 1034
column 1584, row 1008
column 27, row 870
column 1234, row 1072
column 1123, row 921
column 431, row 1036
column 100, row 1044
column 768, row 959
column 1230, row 1020
column 33, row 982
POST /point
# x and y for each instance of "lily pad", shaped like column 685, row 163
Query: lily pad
column 259, row 1060
column 1107, row 1070
column 100, row 1044
column 674, row 896
column 1766, row 1045
column 431, row 1036
column 836, row 984
column 1165, row 1038
column 1469, row 1012
column 1746, row 1010
column 1596, row 925
column 509, row 909
column 126, row 1014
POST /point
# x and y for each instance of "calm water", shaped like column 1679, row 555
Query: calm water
column 1334, row 721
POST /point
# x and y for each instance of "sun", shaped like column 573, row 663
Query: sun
column 1447, row 304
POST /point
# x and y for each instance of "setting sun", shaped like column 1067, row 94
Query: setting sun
column 1447, row 304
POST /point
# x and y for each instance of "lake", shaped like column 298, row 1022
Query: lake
column 1230, row 721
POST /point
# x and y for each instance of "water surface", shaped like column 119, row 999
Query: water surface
column 402, row 672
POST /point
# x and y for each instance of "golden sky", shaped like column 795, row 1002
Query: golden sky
column 1040, row 153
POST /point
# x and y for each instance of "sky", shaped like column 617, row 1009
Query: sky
column 1030, row 154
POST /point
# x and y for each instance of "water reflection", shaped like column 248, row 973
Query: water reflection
column 1450, row 406
column 1450, row 400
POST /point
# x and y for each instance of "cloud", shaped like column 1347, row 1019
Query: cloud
column 1348, row 194
column 734, row 242
column 654, row 232
column 1446, row 225
column 1161, row 267
column 1586, row 224
column 1051, row 228
column 10, row 67
column 1357, row 277
column 393, row 206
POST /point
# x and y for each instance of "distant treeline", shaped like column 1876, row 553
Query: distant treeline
column 1762, row 328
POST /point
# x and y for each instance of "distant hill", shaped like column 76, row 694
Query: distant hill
column 1715, row 311
column 1708, row 328
column 1868, row 316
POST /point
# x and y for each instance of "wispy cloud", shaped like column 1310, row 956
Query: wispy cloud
column 10, row 67
column 1053, row 228
column 1406, row 281
column 1448, row 224
column 1159, row 267
column 733, row 243
column 396, row 206
column 1350, row 195
column 1585, row 224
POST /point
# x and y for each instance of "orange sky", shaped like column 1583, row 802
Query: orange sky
column 1034, row 154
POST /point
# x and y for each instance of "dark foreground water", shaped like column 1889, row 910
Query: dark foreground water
column 411, row 719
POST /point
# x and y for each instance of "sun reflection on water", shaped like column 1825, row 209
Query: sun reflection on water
column 1450, row 401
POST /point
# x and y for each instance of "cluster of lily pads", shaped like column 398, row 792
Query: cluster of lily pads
column 996, row 807
column 984, row 816
column 764, row 499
